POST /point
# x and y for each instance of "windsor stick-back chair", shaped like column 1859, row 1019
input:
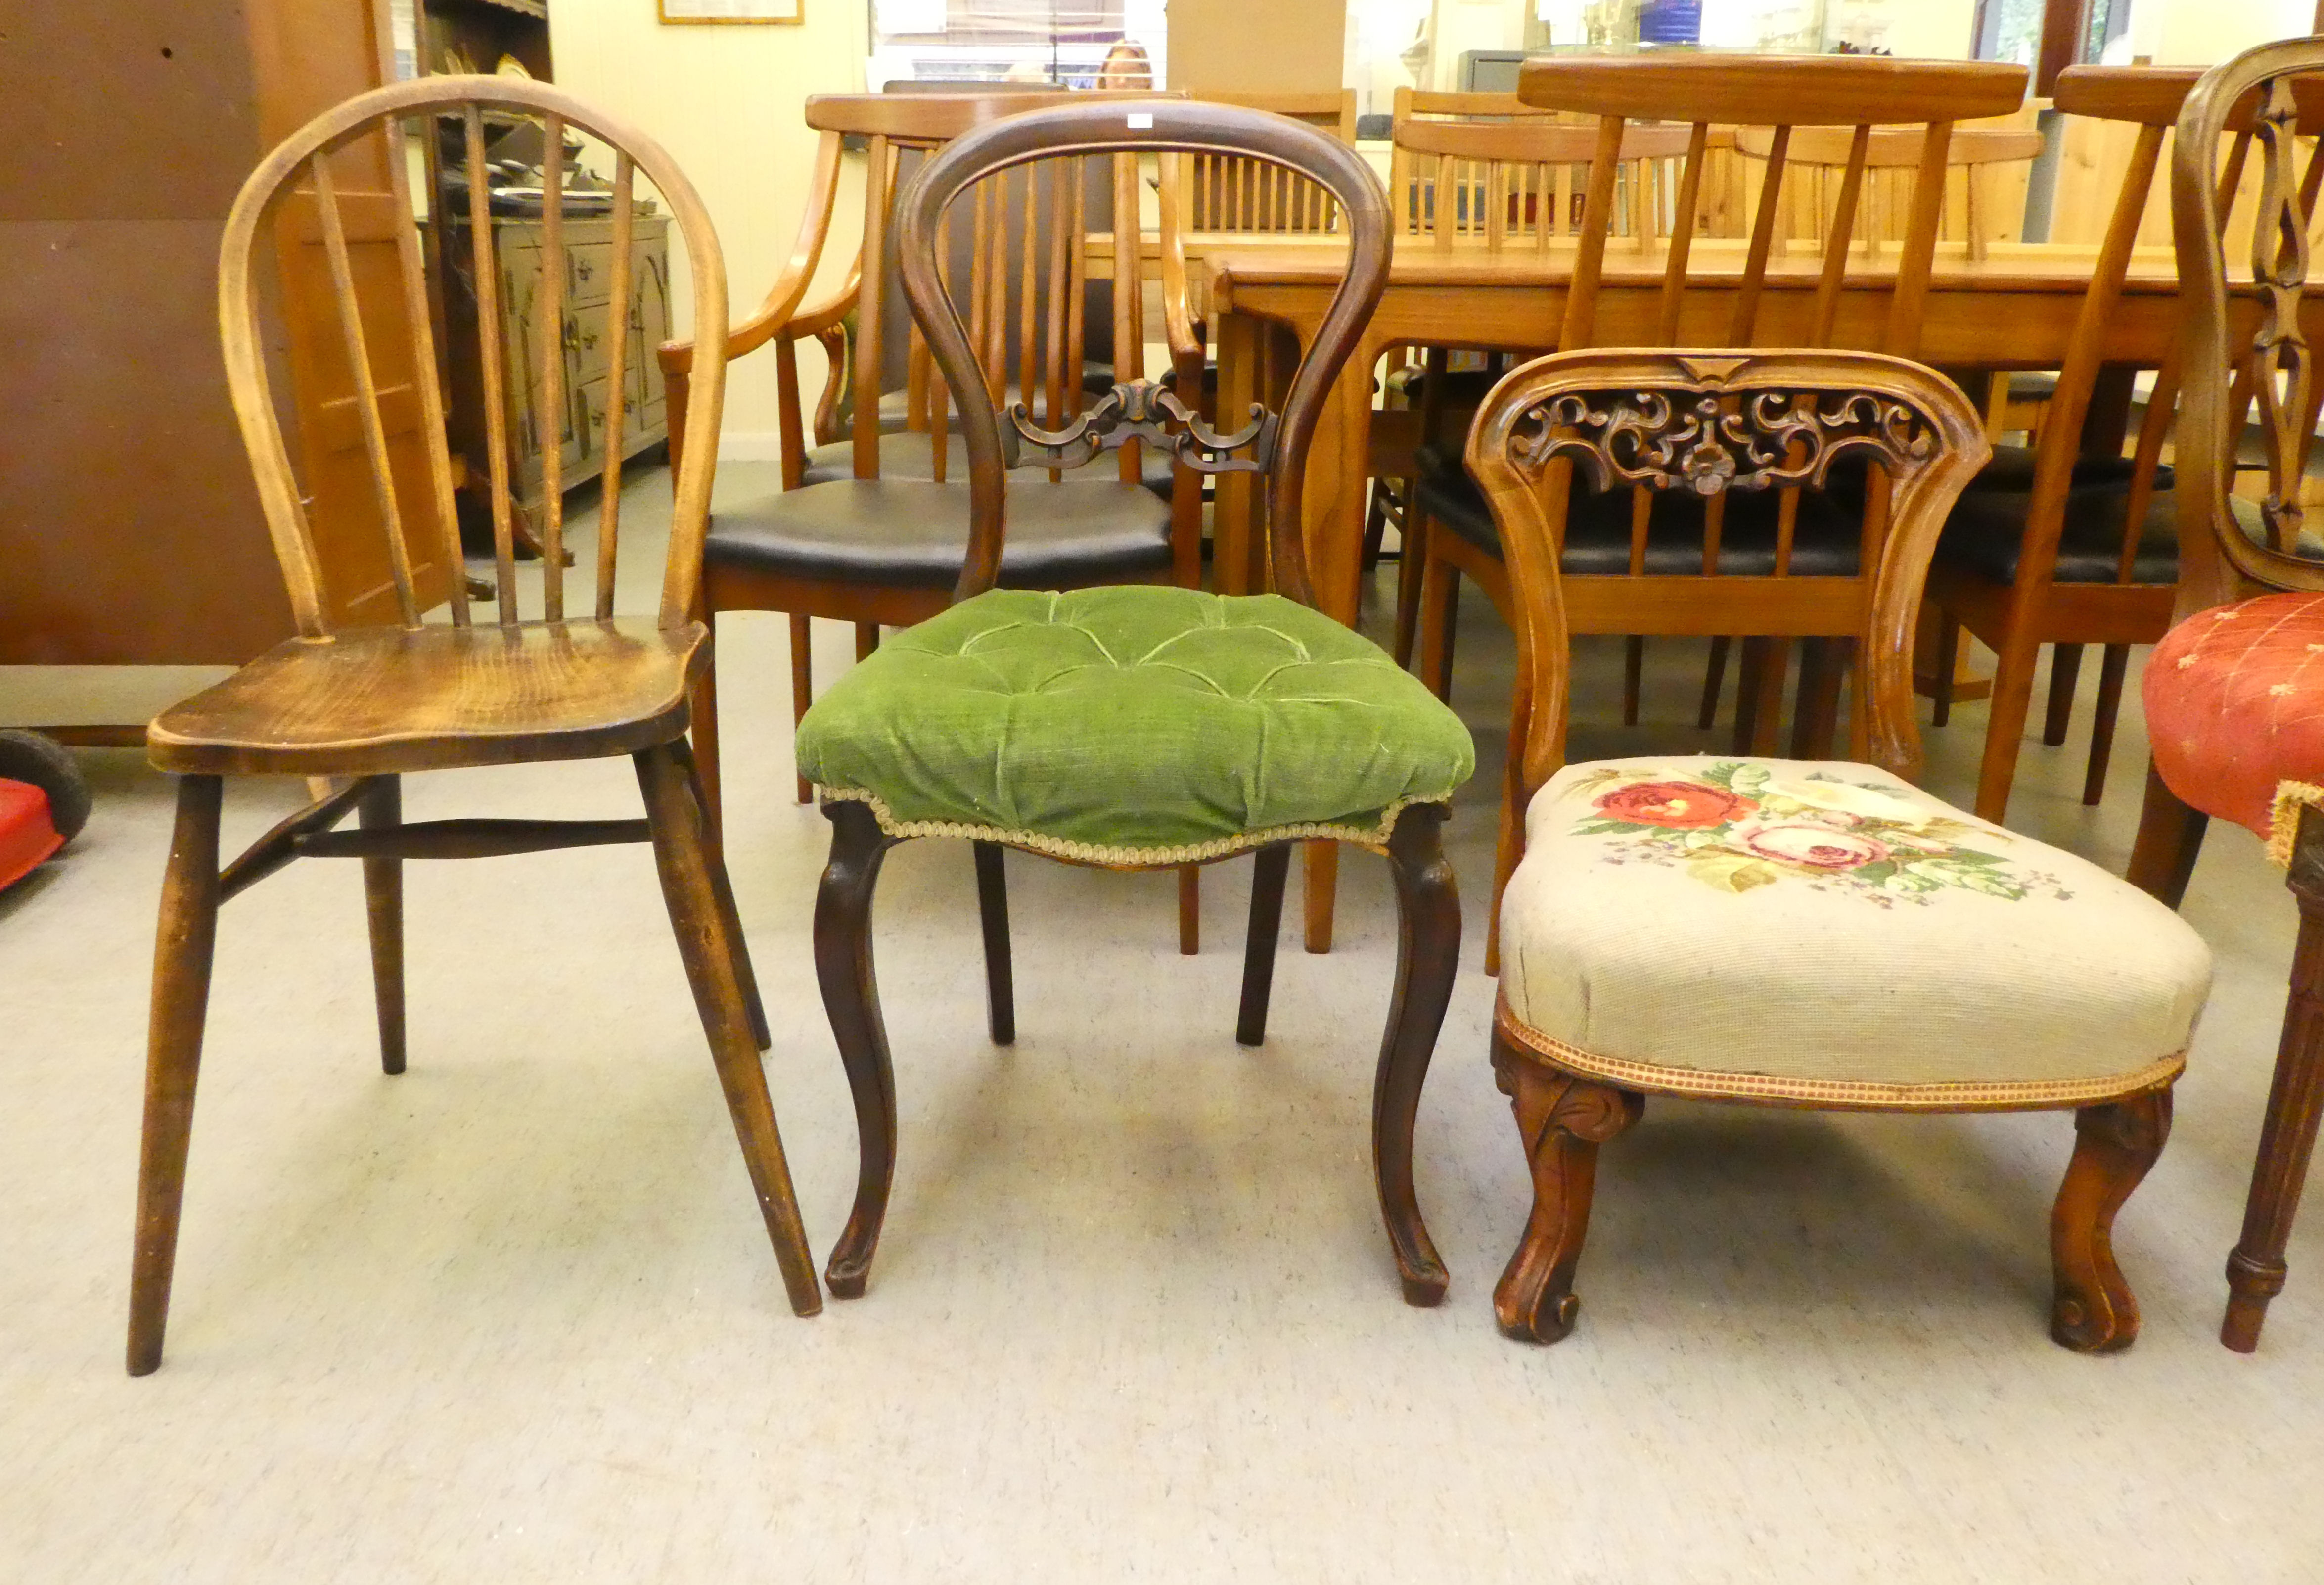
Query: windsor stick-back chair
column 1820, row 157
column 1222, row 193
column 2083, row 549
column 1135, row 728
column 362, row 706
column 1612, row 545
column 2230, row 690
column 1795, row 932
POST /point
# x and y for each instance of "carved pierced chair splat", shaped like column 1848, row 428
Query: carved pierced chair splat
column 1794, row 299
column 898, row 744
column 2230, row 689
column 358, row 706
column 1749, row 860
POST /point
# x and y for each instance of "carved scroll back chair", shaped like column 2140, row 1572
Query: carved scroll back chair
column 1676, row 925
column 2232, row 691
column 1611, row 545
column 1135, row 728
column 362, row 706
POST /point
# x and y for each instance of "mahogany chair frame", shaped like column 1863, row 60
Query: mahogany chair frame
column 355, row 709
column 2276, row 91
column 1642, row 418
column 1787, row 94
column 1276, row 448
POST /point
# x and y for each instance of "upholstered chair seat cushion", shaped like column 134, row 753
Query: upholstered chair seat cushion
column 1826, row 933
column 911, row 454
column 915, row 531
column 1143, row 724
column 2235, row 705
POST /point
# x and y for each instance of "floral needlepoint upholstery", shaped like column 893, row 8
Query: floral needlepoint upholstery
column 1142, row 724
column 2235, row 705
column 1827, row 932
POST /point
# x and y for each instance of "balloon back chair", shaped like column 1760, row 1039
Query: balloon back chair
column 355, row 708
column 1140, row 726
column 1795, row 932
column 2231, row 689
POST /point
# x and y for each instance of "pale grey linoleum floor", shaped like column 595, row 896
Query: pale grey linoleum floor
column 512, row 1315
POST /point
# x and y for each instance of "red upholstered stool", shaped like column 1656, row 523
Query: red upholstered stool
column 2234, row 707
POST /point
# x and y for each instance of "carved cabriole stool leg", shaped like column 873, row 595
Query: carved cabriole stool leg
column 2115, row 1145
column 683, row 861
column 382, row 807
column 1562, row 1119
column 2256, row 1270
column 1427, row 955
column 851, row 999
column 181, row 993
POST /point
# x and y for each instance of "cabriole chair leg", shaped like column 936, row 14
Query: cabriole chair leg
column 704, row 942
column 1427, row 955
column 2115, row 1145
column 851, row 998
column 182, row 953
column 1562, row 1120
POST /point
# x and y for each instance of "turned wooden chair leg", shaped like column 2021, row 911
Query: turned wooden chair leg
column 1768, row 698
column 182, row 953
column 851, row 999
column 1190, row 910
column 867, row 640
column 1562, row 1120
column 993, row 915
column 1427, row 956
column 2065, row 674
column 708, row 949
column 1439, row 606
column 2114, row 664
column 2012, row 701
column 1815, row 720
column 1270, row 867
column 1714, row 683
column 802, row 687
column 1411, row 562
column 722, row 889
column 2115, row 1145
column 701, row 719
column 2256, row 1270
column 382, row 806
column 2170, row 839
column 1947, row 656
column 1634, row 677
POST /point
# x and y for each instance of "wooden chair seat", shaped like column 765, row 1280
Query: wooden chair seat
column 370, row 701
column 913, row 532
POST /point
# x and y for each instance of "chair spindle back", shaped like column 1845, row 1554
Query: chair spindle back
column 471, row 104
column 1510, row 185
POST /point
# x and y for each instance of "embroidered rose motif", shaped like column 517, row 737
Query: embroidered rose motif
column 1860, row 804
column 1679, row 806
column 1816, row 844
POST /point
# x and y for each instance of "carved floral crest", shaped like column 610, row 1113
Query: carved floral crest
column 1148, row 410
column 1709, row 442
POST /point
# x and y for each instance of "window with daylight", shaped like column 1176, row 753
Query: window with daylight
column 1072, row 43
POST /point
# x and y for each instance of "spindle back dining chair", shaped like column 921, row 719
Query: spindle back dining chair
column 1135, row 728
column 1820, row 157
column 1614, row 544
column 2231, row 691
column 1220, row 192
column 358, row 706
column 1802, row 932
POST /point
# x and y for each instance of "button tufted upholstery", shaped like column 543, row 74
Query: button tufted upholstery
column 2235, row 704
column 1824, row 932
column 1144, row 718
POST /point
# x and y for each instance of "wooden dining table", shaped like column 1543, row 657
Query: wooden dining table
column 2014, row 308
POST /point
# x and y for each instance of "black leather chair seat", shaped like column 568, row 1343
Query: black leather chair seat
column 1987, row 532
column 1826, row 540
column 2012, row 471
column 914, row 532
column 910, row 454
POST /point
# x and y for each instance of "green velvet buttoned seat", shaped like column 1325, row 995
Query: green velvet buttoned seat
column 1145, row 724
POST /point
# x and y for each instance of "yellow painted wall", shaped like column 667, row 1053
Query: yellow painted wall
column 725, row 100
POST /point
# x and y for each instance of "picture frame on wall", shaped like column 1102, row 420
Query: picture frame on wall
column 776, row 13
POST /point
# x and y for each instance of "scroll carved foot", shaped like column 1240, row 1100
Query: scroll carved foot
column 2094, row 1311
column 1563, row 1120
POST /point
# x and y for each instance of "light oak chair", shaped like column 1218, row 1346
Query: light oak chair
column 1611, row 542
column 1795, row 932
column 1141, row 727
column 2231, row 691
column 363, row 706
